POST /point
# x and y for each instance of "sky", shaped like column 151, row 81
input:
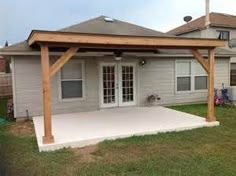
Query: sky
column 19, row 17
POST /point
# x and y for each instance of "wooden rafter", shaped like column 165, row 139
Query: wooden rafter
column 201, row 60
column 62, row 60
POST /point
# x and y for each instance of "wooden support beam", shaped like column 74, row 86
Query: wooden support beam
column 48, row 137
column 211, row 112
column 120, row 40
column 62, row 60
column 201, row 60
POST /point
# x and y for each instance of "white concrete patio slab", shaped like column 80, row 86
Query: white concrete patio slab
column 86, row 128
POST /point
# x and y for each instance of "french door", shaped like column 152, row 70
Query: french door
column 117, row 84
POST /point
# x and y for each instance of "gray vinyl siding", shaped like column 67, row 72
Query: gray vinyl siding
column 28, row 89
column 156, row 77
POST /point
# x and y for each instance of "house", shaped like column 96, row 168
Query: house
column 113, row 64
column 2, row 65
column 219, row 26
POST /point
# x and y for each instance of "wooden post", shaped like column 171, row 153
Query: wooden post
column 45, row 65
column 211, row 113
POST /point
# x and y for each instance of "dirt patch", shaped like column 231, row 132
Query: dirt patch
column 22, row 128
column 129, row 153
column 86, row 154
column 206, row 149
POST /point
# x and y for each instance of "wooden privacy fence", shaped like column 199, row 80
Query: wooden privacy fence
column 5, row 85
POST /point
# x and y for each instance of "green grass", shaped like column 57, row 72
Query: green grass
column 199, row 152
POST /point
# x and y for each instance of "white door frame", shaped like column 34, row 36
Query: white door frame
column 118, row 82
column 121, row 103
column 103, row 105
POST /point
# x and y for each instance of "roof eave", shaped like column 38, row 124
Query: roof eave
column 80, row 39
column 187, row 31
column 222, row 26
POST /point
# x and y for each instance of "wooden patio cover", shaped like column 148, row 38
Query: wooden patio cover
column 74, row 41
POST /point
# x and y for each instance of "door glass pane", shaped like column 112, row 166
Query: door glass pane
column 183, row 84
column 127, row 84
column 108, row 84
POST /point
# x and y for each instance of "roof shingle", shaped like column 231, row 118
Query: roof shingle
column 216, row 19
column 96, row 26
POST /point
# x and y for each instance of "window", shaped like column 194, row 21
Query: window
column 72, row 80
column 184, row 76
column 224, row 35
column 233, row 74
column 200, row 76
column 190, row 76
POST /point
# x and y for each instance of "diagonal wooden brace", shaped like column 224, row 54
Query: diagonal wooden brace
column 62, row 60
column 201, row 60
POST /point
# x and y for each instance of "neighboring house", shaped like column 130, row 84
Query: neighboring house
column 219, row 26
column 2, row 65
column 95, row 79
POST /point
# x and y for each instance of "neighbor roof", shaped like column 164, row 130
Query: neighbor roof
column 216, row 19
column 95, row 26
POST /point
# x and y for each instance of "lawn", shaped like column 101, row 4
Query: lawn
column 199, row 152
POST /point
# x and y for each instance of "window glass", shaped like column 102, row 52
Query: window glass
column 72, row 80
column 224, row 35
column 197, row 69
column 183, row 84
column 183, row 68
column 233, row 74
column 71, row 89
column 190, row 75
column 72, row 70
column 200, row 82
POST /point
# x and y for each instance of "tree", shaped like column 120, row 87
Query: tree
column 6, row 44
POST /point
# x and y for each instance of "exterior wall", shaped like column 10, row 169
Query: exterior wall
column 156, row 77
column 2, row 65
column 28, row 89
column 212, row 32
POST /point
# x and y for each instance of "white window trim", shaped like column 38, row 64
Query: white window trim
column 231, row 62
column 192, row 80
column 219, row 32
column 83, row 84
